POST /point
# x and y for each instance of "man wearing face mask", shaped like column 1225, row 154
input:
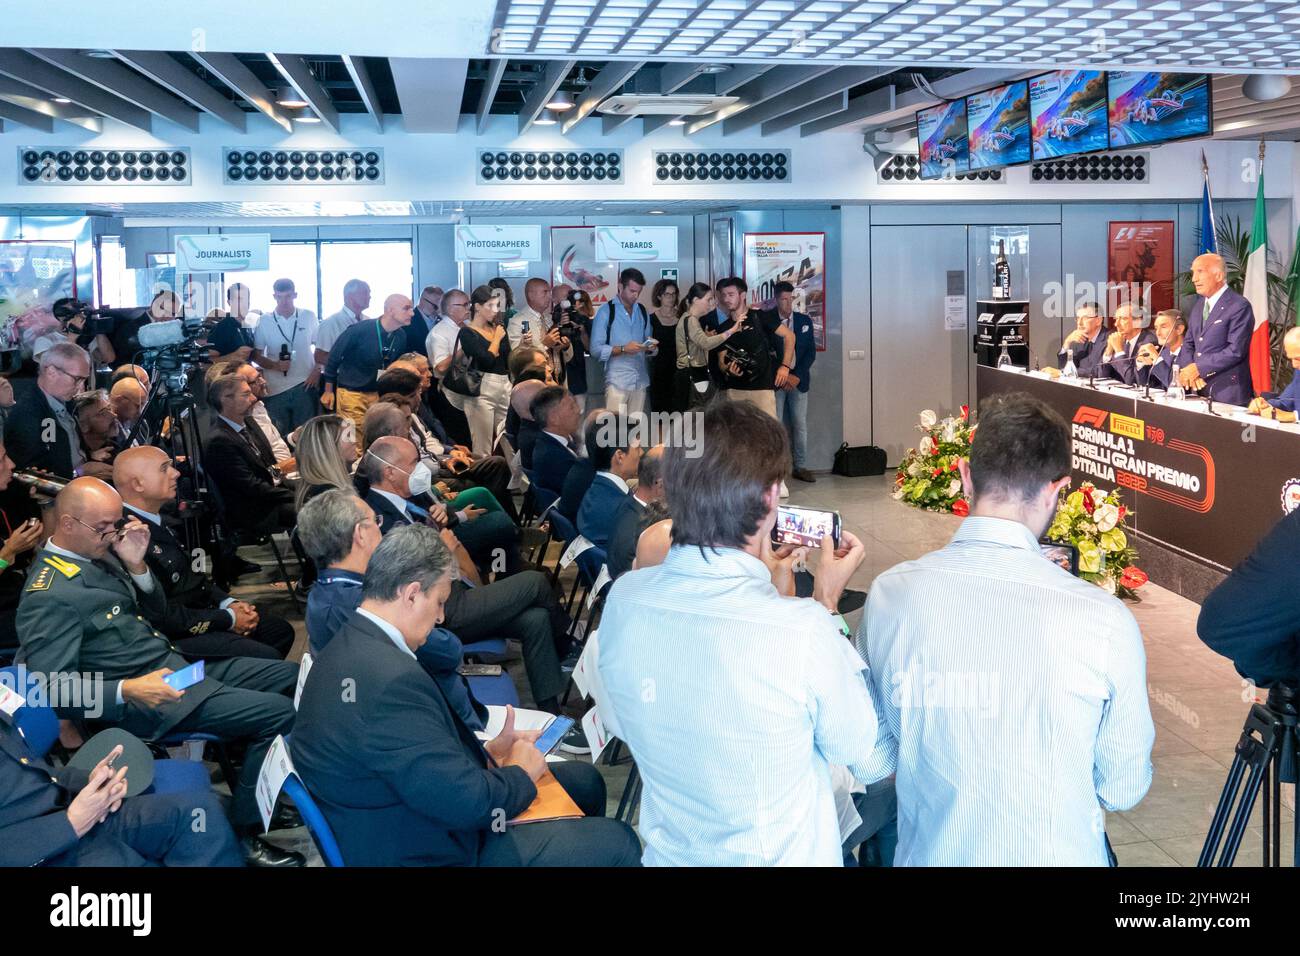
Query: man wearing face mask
column 1029, row 628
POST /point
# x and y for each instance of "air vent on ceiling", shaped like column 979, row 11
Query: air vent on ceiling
column 672, row 104
column 1108, row 167
column 136, row 167
column 769, row 165
column 282, row 167
column 533, row 166
column 901, row 168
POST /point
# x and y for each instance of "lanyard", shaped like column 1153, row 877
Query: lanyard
column 287, row 341
column 384, row 360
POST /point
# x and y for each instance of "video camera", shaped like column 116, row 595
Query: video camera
column 84, row 319
column 170, row 350
column 45, row 486
column 741, row 358
column 562, row 318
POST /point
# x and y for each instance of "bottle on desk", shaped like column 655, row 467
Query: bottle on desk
column 1175, row 389
column 1001, row 273
column 1004, row 358
column 1069, row 371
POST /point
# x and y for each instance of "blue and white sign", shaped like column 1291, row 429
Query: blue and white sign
column 224, row 253
column 484, row 243
column 636, row 243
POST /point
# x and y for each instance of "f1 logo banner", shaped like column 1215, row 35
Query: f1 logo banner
column 1202, row 484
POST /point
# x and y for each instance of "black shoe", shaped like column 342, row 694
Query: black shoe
column 286, row 817
column 575, row 741
column 803, row 474
column 257, row 852
column 851, row 600
column 239, row 566
column 570, row 662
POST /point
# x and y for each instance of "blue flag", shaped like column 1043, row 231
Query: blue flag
column 1209, row 242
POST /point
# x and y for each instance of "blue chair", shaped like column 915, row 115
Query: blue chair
column 562, row 529
column 499, row 690
column 491, row 650
column 317, row 825
column 181, row 738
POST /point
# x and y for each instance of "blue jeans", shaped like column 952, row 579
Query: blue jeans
column 792, row 411
column 292, row 408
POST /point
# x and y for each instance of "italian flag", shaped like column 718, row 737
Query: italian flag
column 1256, row 292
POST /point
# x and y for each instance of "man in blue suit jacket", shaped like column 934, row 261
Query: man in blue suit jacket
column 1219, row 329
column 399, row 777
column 615, row 453
column 559, row 418
column 792, row 397
column 1086, row 343
column 1156, row 362
column 1283, row 406
column 1123, row 344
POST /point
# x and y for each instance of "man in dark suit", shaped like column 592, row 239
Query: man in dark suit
column 792, row 393
column 635, row 512
column 84, row 617
column 203, row 620
column 401, row 779
column 559, row 418
column 53, row 817
column 1122, row 345
column 1219, row 329
column 1284, row 406
column 41, row 431
column 1086, row 343
column 239, row 460
column 615, row 453
column 1156, row 361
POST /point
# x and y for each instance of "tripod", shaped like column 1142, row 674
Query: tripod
column 1268, row 748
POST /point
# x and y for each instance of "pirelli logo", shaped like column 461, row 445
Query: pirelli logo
column 1087, row 415
column 1134, row 428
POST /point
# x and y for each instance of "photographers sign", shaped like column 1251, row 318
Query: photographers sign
column 222, row 253
column 636, row 243
column 482, row 243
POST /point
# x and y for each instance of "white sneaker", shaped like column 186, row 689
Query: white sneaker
column 785, row 492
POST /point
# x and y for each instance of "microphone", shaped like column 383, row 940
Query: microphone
column 1150, row 374
column 158, row 335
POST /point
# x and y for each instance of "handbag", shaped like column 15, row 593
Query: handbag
column 461, row 377
column 859, row 461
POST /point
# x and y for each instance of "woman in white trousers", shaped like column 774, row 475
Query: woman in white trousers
column 484, row 341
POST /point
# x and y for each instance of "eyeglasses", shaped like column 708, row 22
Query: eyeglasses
column 117, row 528
column 75, row 378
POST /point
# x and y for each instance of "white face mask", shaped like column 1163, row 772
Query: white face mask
column 419, row 478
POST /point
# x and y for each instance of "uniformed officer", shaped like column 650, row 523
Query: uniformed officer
column 80, row 624
column 202, row 620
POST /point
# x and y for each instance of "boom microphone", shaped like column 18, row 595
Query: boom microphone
column 157, row 335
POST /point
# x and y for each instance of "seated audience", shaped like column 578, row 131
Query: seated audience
column 256, row 380
column 22, row 530
column 84, row 616
column 97, row 429
column 127, row 397
column 748, row 783
column 343, row 532
column 241, row 464
column 327, row 452
column 1062, row 673
column 399, row 777
column 64, row 371
column 635, row 512
column 521, row 429
column 558, row 419
column 202, row 620
column 583, row 472
column 615, row 453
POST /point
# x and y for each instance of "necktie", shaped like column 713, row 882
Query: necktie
column 69, row 425
column 1205, row 311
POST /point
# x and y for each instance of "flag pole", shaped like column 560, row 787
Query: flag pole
column 1209, row 198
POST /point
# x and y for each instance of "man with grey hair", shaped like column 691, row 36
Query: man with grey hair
column 439, row 345
column 399, row 776
column 1122, row 345
column 356, row 299
column 1085, row 344
column 1283, row 407
column 1220, row 328
column 42, row 432
column 425, row 318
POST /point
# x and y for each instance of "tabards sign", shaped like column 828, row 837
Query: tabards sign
column 637, row 243
column 483, row 243
column 224, row 253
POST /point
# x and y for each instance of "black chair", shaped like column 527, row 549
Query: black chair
column 245, row 537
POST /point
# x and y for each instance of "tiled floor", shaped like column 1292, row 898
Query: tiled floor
column 1196, row 696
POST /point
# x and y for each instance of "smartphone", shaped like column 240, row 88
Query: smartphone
column 805, row 527
column 550, row 737
column 185, row 677
column 480, row 670
column 1064, row 556
column 650, row 343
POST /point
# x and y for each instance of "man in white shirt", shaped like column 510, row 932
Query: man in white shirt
column 282, row 345
column 440, row 345
column 356, row 299
column 735, row 699
column 1012, row 696
column 532, row 326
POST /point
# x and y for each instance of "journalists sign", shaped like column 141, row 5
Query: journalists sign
column 636, row 243
column 479, row 243
column 214, row 253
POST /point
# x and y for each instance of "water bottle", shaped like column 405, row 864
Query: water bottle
column 1069, row 371
column 1004, row 358
column 1175, row 389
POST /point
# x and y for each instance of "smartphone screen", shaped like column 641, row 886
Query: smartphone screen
column 550, row 737
column 1064, row 556
column 186, row 676
column 805, row 527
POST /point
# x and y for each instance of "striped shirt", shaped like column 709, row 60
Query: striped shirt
column 1015, row 702
column 735, row 702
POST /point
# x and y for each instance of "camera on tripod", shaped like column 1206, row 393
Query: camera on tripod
column 170, row 350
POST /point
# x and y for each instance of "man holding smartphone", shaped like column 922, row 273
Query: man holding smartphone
column 620, row 338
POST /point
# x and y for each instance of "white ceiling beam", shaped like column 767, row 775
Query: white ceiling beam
column 172, row 76
column 28, row 69
column 230, row 70
column 542, row 91
column 356, row 68
column 874, row 111
column 29, row 97
column 298, row 74
column 491, row 83
column 835, row 103
column 118, row 80
column 25, row 117
column 836, row 81
column 608, row 81
column 430, row 92
column 768, row 86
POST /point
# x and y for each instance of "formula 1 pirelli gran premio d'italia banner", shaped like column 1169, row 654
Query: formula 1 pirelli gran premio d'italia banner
column 1210, row 486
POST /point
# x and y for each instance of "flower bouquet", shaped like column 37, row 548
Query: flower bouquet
column 1092, row 521
column 927, row 477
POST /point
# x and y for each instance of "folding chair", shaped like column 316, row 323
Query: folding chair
column 242, row 538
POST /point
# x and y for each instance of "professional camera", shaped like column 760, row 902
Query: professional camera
column 45, row 486
column 171, row 350
column 562, row 319
column 84, row 320
column 741, row 358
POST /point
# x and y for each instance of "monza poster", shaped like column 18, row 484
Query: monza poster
column 574, row 263
column 1140, row 265
column 795, row 257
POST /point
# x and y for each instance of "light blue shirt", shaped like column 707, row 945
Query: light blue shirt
column 392, row 632
column 735, row 702
column 624, row 372
column 1013, row 703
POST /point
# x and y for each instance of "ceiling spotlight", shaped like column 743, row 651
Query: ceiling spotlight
column 560, row 102
column 656, row 212
column 306, row 119
column 715, row 68
column 1262, row 87
column 287, row 96
column 62, row 99
column 677, row 122
column 546, row 118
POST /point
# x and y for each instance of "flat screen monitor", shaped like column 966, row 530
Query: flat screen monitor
column 1150, row 108
column 941, row 138
column 1067, row 111
column 998, row 124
